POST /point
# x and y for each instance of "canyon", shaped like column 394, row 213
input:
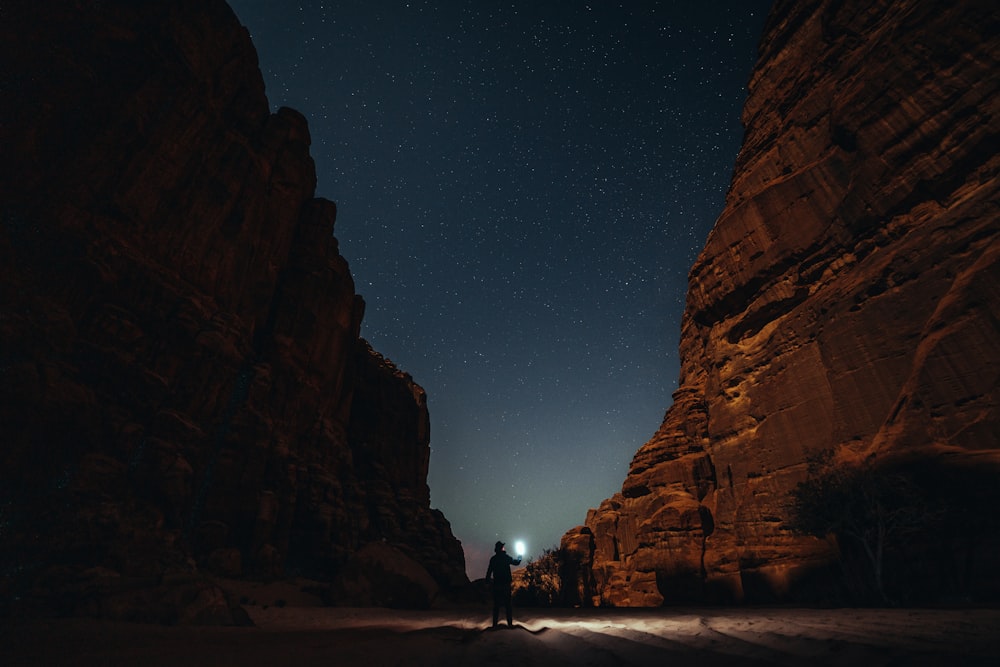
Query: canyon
column 186, row 395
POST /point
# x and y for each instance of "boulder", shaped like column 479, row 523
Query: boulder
column 380, row 575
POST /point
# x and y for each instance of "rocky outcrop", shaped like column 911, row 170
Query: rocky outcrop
column 847, row 300
column 184, row 388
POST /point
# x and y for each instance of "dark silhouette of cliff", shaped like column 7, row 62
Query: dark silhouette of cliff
column 184, row 389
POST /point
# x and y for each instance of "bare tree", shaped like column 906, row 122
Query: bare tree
column 873, row 507
column 540, row 583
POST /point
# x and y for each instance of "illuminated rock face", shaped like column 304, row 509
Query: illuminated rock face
column 847, row 299
column 182, row 373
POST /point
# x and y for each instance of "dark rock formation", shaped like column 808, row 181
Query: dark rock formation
column 380, row 575
column 847, row 300
column 183, row 385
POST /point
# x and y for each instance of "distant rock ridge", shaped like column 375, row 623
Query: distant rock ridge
column 184, row 386
column 847, row 300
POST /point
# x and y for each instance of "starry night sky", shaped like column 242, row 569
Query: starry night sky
column 522, row 187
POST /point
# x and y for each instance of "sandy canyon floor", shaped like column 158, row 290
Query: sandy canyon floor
column 372, row 637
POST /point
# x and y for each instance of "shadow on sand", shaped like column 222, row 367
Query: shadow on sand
column 372, row 637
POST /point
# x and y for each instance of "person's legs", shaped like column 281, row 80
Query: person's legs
column 507, row 602
column 497, row 599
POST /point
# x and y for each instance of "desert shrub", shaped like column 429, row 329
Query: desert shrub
column 540, row 583
column 869, row 509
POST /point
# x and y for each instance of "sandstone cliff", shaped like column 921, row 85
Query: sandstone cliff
column 847, row 300
column 184, row 388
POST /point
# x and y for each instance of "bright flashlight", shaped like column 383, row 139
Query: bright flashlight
column 519, row 548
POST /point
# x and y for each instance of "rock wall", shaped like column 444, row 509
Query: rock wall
column 183, row 384
column 847, row 300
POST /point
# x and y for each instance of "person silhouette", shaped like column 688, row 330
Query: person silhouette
column 499, row 573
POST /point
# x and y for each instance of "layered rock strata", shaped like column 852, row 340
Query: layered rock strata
column 847, row 300
column 183, row 383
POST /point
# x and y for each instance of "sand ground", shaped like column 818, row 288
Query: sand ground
column 309, row 635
